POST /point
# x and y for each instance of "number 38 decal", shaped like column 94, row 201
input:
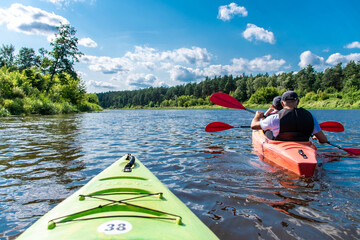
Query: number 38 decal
column 115, row 227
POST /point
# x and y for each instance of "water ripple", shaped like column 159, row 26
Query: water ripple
column 43, row 159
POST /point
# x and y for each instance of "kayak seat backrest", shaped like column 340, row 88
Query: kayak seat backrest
column 292, row 136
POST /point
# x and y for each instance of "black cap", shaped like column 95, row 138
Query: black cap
column 277, row 103
column 289, row 96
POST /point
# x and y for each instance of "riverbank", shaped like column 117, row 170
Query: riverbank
column 324, row 104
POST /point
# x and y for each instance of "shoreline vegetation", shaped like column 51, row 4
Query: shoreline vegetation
column 47, row 83
column 44, row 84
column 337, row 87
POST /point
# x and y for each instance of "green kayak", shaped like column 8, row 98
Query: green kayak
column 125, row 201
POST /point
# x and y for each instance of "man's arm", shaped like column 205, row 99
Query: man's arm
column 255, row 123
column 321, row 137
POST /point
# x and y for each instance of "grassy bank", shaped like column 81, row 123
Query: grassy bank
column 324, row 104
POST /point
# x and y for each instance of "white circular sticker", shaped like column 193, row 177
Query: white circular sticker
column 115, row 227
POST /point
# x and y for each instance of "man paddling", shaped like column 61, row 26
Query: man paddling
column 290, row 123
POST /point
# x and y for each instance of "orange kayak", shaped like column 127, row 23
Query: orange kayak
column 298, row 157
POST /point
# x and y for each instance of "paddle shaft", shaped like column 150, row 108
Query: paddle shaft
column 251, row 111
column 335, row 145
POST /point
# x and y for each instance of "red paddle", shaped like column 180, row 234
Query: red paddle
column 329, row 126
column 225, row 100
column 332, row 126
column 352, row 151
column 220, row 126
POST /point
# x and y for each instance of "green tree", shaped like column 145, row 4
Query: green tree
column 7, row 56
column 264, row 95
column 333, row 77
column 65, row 51
column 352, row 75
column 260, row 82
column 287, row 81
column 230, row 85
column 305, row 79
column 206, row 88
column 26, row 58
column 44, row 61
column 240, row 92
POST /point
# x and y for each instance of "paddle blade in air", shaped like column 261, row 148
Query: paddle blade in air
column 225, row 100
column 217, row 127
column 332, row 126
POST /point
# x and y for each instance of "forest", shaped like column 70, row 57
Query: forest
column 335, row 87
column 44, row 83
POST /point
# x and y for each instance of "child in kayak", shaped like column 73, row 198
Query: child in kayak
column 276, row 106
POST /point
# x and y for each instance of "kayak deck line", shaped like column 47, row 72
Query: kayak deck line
column 73, row 217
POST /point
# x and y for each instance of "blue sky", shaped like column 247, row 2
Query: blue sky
column 132, row 44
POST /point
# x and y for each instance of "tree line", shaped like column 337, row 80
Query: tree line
column 44, row 83
column 336, row 82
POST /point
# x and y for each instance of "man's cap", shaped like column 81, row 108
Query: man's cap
column 289, row 96
column 277, row 103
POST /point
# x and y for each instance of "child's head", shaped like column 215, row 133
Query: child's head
column 277, row 103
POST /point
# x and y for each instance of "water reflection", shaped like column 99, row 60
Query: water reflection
column 39, row 159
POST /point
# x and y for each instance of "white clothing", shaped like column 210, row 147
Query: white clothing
column 272, row 123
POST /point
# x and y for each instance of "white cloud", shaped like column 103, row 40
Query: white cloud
column 260, row 64
column 254, row 32
column 87, row 42
column 265, row 63
column 217, row 70
column 148, row 59
column 185, row 74
column 140, row 80
column 99, row 84
column 56, row 1
column 145, row 66
column 336, row 58
column 308, row 58
column 243, row 65
column 66, row 2
column 30, row 20
column 227, row 12
column 355, row 44
column 107, row 65
column 238, row 67
column 195, row 55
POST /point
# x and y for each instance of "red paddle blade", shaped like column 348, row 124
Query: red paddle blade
column 352, row 151
column 332, row 126
column 225, row 100
column 217, row 127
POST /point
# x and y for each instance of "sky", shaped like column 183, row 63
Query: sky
column 134, row 44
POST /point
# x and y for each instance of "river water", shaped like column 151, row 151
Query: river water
column 44, row 159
